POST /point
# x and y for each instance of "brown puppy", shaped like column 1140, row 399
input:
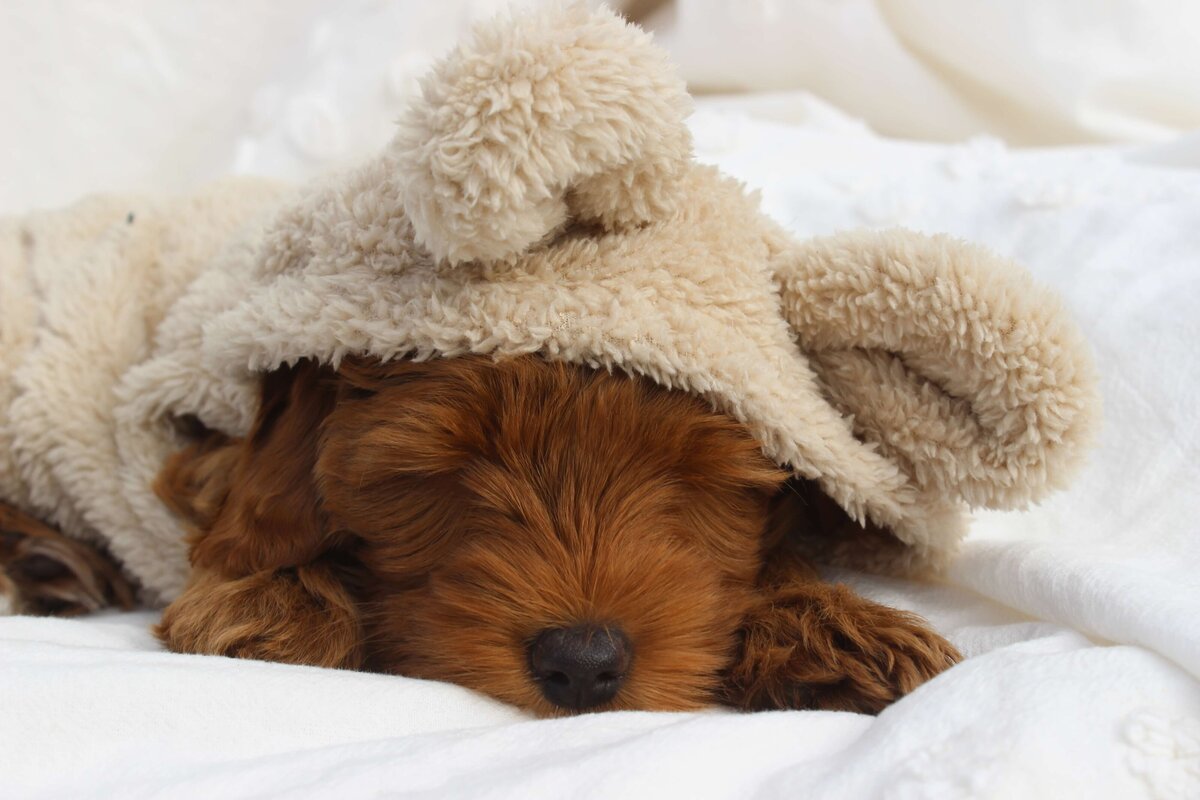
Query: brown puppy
column 560, row 538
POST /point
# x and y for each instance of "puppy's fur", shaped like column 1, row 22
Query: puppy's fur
column 44, row 572
column 429, row 519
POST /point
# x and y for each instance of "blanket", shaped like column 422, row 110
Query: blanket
column 1078, row 619
column 540, row 197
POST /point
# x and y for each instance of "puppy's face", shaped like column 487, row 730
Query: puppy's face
column 559, row 538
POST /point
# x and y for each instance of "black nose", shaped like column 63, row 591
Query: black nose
column 581, row 666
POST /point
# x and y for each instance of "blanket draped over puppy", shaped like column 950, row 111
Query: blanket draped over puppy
column 540, row 197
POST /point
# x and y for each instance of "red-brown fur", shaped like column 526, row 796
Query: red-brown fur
column 429, row 519
column 44, row 572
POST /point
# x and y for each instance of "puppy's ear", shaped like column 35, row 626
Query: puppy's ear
column 253, row 502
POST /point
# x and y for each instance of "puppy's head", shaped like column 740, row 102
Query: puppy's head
column 560, row 538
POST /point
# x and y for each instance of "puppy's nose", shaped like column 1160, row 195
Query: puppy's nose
column 581, row 666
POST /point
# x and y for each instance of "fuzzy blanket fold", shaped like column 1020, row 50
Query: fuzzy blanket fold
column 541, row 197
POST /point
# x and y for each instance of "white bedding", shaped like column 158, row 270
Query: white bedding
column 1034, row 72
column 1080, row 620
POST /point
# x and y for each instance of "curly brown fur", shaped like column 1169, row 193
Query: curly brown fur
column 299, row 616
column 10, row 598
column 43, row 572
column 430, row 519
column 809, row 644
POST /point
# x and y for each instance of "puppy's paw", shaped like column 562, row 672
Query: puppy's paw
column 823, row 647
column 44, row 573
column 864, row 656
column 299, row 616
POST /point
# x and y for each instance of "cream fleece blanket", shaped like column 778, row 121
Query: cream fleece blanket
column 540, row 198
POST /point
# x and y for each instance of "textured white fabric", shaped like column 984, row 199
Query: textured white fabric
column 1030, row 71
column 165, row 95
column 1037, row 711
column 1080, row 620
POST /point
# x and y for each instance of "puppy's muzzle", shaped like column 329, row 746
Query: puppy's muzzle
column 581, row 666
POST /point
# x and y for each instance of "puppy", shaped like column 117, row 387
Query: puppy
column 560, row 538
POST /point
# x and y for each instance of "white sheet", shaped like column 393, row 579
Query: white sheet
column 1080, row 619
column 1029, row 71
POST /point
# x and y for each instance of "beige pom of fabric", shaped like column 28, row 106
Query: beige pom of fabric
column 952, row 361
column 544, row 116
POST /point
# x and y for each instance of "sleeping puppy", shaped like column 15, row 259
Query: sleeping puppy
column 560, row 538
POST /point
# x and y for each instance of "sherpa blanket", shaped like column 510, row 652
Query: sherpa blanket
column 88, row 293
column 540, row 197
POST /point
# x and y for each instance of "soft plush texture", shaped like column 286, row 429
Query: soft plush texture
column 86, row 296
column 539, row 198
column 1033, row 72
